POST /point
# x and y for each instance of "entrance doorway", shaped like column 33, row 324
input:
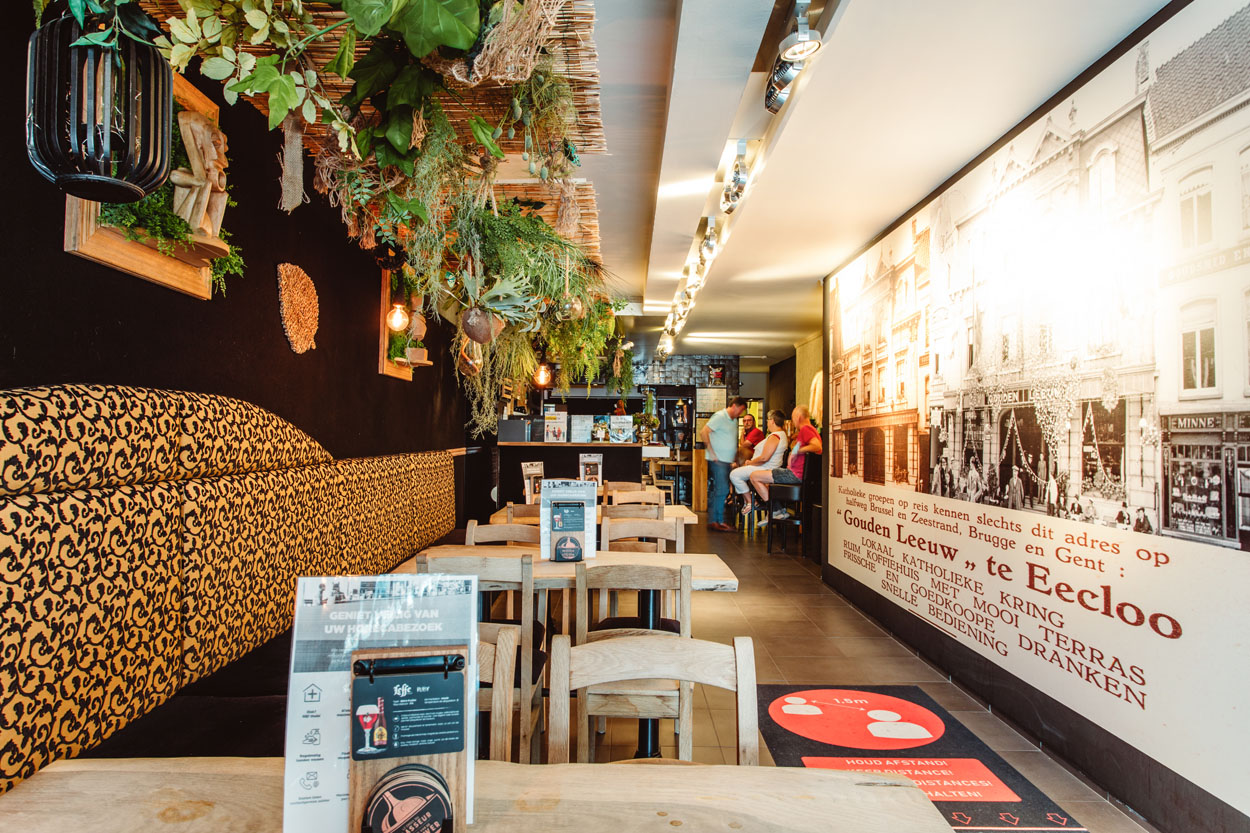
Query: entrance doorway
column 1021, row 445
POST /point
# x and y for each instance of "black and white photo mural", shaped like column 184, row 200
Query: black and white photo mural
column 1039, row 402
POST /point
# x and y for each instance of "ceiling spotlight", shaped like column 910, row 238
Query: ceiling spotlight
column 736, row 182
column 708, row 247
column 802, row 43
column 779, row 83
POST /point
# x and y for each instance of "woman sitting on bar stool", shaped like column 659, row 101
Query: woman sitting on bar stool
column 806, row 441
column 768, row 454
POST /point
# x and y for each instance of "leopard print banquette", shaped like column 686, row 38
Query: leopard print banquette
column 149, row 537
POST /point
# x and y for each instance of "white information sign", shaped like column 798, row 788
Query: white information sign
column 334, row 616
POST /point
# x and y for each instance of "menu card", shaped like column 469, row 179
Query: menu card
column 621, row 429
column 589, row 467
column 532, row 474
column 555, row 427
column 567, row 520
column 334, row 616
column 580, row 426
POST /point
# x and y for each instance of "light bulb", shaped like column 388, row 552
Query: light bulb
column 398, row 318
column 542, row 375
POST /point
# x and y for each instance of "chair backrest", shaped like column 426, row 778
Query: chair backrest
column 652, row 658
column 656, row 531
column 638, row 496
column 784, row 492
column 516, row 511
column 475, row 533
column 653, row 511
column 631, row 577
column 622, row 486
column 496, row 664
column 497, row 569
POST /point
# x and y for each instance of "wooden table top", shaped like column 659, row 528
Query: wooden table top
column 670, row 512
column 244, row 795
column 709, row 572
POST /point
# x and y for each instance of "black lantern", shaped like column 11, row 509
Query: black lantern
column 98, row 118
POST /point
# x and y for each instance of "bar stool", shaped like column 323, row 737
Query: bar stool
column 780, row 498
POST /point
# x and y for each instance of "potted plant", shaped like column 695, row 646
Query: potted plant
column 646, row 422
column 415, row 352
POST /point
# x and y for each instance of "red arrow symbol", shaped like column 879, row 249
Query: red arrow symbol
column 1009, row 818
column 1057, row 819
column 962, row 818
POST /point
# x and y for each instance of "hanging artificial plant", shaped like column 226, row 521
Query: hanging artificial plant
column 402, row 177
column 620, row 376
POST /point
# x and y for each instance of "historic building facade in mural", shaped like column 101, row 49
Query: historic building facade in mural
column 1066, row 329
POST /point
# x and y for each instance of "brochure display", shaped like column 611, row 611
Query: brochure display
column 621, row 429
column 590, row 467
column 532, row 473
column 567, row 520
column 383, row 679
column 555, row 427
column 580, row 428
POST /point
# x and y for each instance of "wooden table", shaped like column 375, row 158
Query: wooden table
column 244, row 795
column 670, row 512
column 710, row 573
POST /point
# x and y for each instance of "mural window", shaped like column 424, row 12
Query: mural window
column 874, row 456
column 900, row 375
column 1196, row 489
column 1245, row 188
column 852, row 452
column 1246, row 372
column 867, row 390
column 1102, row 179
column 1196, row 209
column 837, row 398
column 1102, row 449
column 1198, row 348
column 900, row 454
column 1045, row 339
column 853, row 390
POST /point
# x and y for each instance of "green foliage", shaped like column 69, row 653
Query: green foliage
column 153, row 218
column 577, row 345
column 396, row 345
column 623, row 383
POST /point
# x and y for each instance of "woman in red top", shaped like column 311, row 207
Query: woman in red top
column 806, row 441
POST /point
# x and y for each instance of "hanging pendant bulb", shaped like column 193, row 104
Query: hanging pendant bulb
column 542, row 375
column 398, row 319
column 99, row 119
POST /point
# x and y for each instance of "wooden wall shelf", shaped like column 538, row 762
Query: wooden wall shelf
column 386, row 367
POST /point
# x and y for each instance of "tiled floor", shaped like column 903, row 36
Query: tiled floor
column 805, row 633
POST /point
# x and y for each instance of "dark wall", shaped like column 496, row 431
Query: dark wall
column 65, row 319
column 781, row 386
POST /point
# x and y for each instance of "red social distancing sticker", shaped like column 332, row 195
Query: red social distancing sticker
column 942, row 779
column 856, row 719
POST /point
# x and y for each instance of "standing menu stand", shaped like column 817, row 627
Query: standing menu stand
column 567, row 520
column 340, row 740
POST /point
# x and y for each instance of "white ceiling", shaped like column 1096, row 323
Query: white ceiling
column 903, row 94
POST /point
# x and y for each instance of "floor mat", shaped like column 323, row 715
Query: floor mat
column 900, row 729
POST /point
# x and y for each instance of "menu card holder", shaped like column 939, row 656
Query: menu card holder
column 422, row 693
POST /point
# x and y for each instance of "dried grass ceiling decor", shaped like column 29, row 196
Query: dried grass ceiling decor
column 298, row 306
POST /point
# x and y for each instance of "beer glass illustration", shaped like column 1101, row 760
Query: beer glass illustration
column 367, row 715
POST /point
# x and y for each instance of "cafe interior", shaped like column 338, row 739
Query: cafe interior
column 626, row 464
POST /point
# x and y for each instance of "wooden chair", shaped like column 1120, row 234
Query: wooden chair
column 517, row 511
column 496, row 664
column 623, row 486
column 507, row 572
column 666, row 485
column 622, row 700
column 651, row 511
column 475, row 533
column 635, row 496
column 651, row 657
column 623, row 535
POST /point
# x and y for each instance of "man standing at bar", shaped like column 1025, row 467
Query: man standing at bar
column 720, row 439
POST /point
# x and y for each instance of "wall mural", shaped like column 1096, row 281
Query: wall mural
column 1062, row 337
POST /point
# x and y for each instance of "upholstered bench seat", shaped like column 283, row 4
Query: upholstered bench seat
column 150, row 538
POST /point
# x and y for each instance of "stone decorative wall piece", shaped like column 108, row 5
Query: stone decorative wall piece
column 297, row 303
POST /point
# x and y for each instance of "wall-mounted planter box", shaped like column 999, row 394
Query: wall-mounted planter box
column 387, row 367
column 188, row 270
